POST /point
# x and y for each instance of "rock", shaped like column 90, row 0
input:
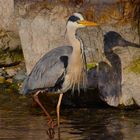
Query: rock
column 41, row 27
column 9, row 40
column 14, row 43
column 41, row 32
column 9, row 80
column 7, row 18
column 2, row 80
column 8, row 60
column 11, row 71
column 130, row 84
column 38, row 33
column 9, row 37
column 45, row 31
column 128, row 94
column 3, row 72
column 20, row 76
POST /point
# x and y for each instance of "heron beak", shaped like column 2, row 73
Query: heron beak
column 88, row 23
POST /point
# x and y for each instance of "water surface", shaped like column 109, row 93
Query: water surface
column 19, row 120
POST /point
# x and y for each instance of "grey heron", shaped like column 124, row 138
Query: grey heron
column 60, row 69
column 108, row 79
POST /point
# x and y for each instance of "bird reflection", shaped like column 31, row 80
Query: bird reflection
column 51, row 133
column 108, row 78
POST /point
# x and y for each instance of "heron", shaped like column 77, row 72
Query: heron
column 108, row 79
column 60, row 69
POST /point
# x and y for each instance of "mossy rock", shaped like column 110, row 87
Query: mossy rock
column 11, row 56
column 17, row 55
column 9, row 88
column 134, row 66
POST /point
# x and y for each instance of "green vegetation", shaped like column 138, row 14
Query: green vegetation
column 91, row 65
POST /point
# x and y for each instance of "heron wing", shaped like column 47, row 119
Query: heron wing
column 49, row 68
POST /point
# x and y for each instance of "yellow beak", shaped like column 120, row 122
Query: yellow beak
column 87, row 23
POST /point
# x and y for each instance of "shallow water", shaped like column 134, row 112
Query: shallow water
column 19, row 121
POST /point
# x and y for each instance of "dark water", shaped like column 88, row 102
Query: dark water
column 19, row 121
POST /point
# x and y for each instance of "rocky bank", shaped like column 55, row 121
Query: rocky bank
column 38, row 26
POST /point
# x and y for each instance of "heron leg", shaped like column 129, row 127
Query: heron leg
column 35, row 96
column 58, row 109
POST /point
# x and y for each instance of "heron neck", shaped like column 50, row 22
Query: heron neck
column 71, row 34
column 76, row 70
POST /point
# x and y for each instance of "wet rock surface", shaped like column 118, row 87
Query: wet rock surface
column 12, row 68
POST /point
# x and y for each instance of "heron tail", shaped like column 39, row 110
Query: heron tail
column 24, row 89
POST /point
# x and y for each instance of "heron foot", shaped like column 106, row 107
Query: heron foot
column 50, row 132
column 51, row 124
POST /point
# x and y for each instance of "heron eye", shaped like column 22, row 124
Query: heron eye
column 78, row 21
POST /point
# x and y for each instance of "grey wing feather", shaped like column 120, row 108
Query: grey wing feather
column 47, row 70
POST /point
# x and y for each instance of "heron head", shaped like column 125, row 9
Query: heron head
column 113, row 39
column 77, row 21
